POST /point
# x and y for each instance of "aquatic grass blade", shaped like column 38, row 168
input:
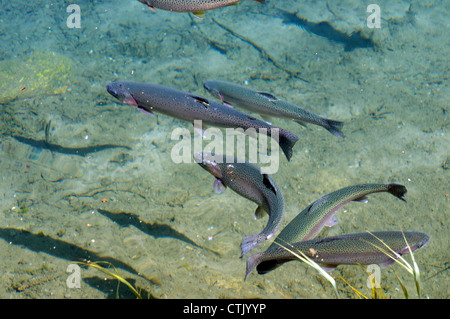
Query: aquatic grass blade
column 356, row 291
column 413, row 270
column 302, row 257
column 115, row 275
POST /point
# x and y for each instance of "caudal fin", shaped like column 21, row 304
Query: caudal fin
column 335, row 127
column 249, row 242
column 287, row 141
column 397, row 190
column 252, row 262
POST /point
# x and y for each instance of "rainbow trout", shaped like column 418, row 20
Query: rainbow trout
column 190, row 107
column 268, row 105
column 247, row 180
column 352, row 249
column 308, row 223
column 195, row 6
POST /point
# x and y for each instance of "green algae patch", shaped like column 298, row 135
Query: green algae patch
column 39, row 73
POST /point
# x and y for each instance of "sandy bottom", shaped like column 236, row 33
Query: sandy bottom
column 84, row 178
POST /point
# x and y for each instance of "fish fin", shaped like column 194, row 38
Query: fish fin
column 199, row 99
column 199, row 14
column 260, row 1
column 219, row 186
column 146, row 112
column 152, row 8
column 269, row 96
column 268, row 183
column 252, row 262
column 259, row 212
column 397, row 190
column 362, row 199
column 250, row 242
column 301, row 123
column 317, row 203
column 328, row 267
column 335, row 127
column 267, row 118
column 227, row 104
column 387, row 263
column 287, row 141
column 332, row 221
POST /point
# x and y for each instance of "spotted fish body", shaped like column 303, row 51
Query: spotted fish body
column 246, row 180
column 190, row 107
column 268, row 105
column 308, row 223
column 195, row 6
column 352, row 249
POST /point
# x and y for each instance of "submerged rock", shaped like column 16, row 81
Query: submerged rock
column 41, row 72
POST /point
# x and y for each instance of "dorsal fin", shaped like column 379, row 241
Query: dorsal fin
column 268, row 183
column 268, row 96
column 317, row 203
column 200, row 99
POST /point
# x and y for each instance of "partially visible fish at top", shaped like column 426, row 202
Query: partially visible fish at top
column 197, row 7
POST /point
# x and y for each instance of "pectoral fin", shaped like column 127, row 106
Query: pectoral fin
column 328, row 267
column 149, row 113
column 267, row 119
column 259, row 213
column 199, row 14
column 301, row 123
column 219, row 186
column 362, row 199
column 332, row 221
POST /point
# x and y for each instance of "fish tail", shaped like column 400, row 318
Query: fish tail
column 249, row 242
column 287, row 141
column 397, row 190
column 252, row 262
column 334, row 127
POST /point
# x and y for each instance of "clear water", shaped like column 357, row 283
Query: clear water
column 84, row 177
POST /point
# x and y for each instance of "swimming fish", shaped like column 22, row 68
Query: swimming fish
column 308, row 223
column 266, row 104
column 195, row 6
column 246, row 180
column 351, row 249
column 189, row 107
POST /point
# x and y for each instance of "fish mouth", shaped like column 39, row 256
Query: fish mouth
column 213, row 91
column 117, row 90
column 112, row 90
column 207, row 161
column 198, row 158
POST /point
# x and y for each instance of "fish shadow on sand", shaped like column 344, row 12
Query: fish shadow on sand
column 110, row 289
column 80, row 151
column 58, row 248
column 155, row 230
